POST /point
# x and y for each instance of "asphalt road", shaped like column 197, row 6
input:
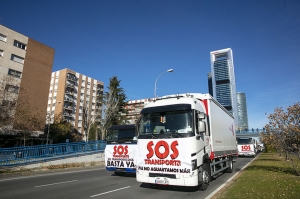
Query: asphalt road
column 98, row 183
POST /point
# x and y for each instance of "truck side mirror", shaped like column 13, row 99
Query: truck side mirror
column 201, row 127
column 201, row 115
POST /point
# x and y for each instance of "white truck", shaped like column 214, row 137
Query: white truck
column 184, row 140
column 246, row 146
column 120, row 150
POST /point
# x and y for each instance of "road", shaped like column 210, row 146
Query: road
column 98, row 183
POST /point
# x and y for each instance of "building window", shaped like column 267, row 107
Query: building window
column 12, row 88
column 8, row 103
column 17, row 59
column 1, row 53
column 20, row 45
column 14, row 73
column 3, row 38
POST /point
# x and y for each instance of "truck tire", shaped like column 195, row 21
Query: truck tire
column 205, row 177
column 119, row 173
column 230, row 168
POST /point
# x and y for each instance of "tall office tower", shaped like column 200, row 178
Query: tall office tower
column 26, row 64
column 223, row 80
column 242, row 111
column 73, row 96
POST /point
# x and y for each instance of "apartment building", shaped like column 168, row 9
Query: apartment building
column 70, row 94
column 134, row 108
column 29, row 63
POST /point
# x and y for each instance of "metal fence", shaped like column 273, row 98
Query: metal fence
column 41, row 153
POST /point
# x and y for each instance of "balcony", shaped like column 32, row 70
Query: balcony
column 100, row 87
column 70, row 78
column 68, row 115
column 68, row 107
column 68, row 99
column 69, row 92
column 70, row 85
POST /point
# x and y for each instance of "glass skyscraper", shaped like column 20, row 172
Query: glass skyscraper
column 242, row 111
column 223, row 80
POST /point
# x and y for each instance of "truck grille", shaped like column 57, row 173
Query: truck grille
column 173, row 176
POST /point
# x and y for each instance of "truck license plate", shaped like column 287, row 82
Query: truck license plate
column 165, row 182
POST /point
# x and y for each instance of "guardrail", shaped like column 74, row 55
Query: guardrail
column 41, row 153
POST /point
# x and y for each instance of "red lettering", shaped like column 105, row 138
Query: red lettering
column 166, row 148
column 149, row 147
column 246, row 148
column 126, row 150
column 121, row 150
column 115, row 150
column 174, row 149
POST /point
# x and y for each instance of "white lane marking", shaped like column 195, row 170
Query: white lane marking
column 45, row 185
column 109, row 192
column 225, row 183
column 48, row 174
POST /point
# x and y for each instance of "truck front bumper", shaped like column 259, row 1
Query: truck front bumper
column 125, row 170
column 163, row 179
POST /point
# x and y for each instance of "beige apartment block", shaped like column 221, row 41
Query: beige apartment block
column 69, row 94
column 29, row 63
column 134, row 108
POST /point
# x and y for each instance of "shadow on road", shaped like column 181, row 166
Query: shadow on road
column 169, row 187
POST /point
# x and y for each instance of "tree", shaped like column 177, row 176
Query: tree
column 93, row 131
column 9, row 90
column 113, row 106
column 87, row 120
column 283, row 131
column 60, row 130
column 17, row 117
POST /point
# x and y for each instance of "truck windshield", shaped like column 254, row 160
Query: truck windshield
column 245, row 141
column 120, row 135
column 170, row 124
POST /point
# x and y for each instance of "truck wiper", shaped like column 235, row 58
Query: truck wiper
column 154, row 136
column 175, row 133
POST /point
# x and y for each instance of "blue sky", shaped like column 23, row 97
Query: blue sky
column 136, row 40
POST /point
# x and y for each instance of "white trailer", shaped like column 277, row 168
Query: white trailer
column 184, row 140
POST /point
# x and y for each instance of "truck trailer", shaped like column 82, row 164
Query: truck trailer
column 184, row 140
column 120, row 149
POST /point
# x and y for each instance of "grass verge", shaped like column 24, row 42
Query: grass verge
column 268, row 176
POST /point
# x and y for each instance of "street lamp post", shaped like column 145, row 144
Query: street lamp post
column 170, row 70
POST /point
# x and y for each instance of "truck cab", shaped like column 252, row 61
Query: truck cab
column 121, row 148
column 246, row 146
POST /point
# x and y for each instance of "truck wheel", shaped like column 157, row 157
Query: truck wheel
column 205, row 177
column 230, row 168
column 120, row 173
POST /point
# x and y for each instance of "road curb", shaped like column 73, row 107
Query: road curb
column 228, row 181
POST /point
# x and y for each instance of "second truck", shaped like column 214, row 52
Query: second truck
column 120, row 150
column 184, row 140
